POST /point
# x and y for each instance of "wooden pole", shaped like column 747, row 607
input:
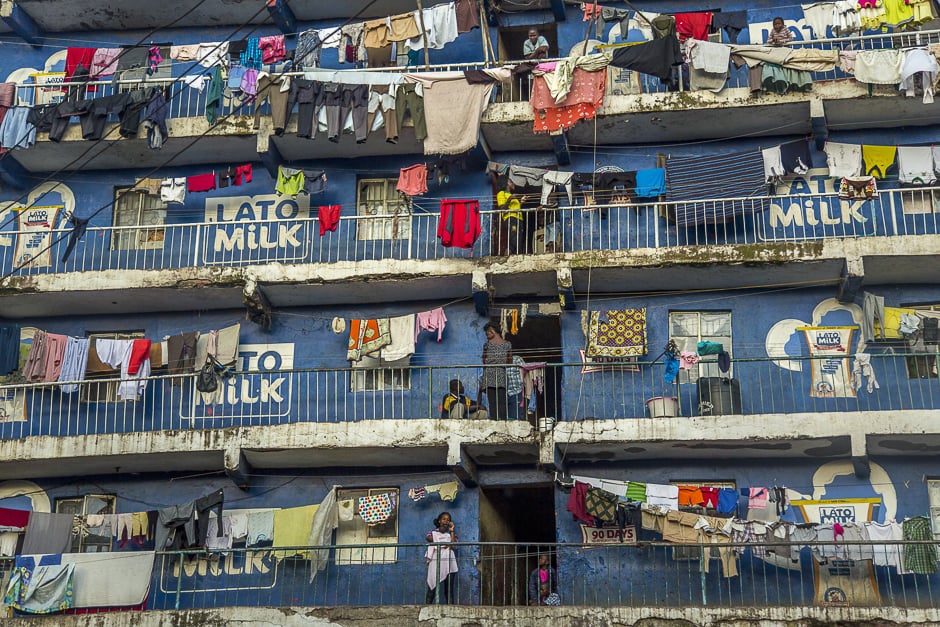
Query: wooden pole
column 424, row 36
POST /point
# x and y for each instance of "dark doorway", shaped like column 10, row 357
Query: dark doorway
column 539, row 340
column 511, row 39
column 525, row 517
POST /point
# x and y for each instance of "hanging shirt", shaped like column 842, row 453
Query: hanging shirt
column 290, row 181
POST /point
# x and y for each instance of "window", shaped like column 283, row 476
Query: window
column 511, row 39
column 355, row 531
column 688, row 328
column 933, row 497
column 82, row 506
column 922, row 366
column 104, row 392
column 378, row 197
column 137, row 208
column 373, row 374
column 684, row 554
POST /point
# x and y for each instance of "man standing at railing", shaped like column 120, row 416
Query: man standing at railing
column 536, row 46
column 510, row 234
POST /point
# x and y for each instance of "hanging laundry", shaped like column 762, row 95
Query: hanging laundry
column 459, row 223
column 447, row 491
column 468, row 17
column 858, row 187
column 39, row 589
column 292, row 529
column 732, row 22
column 117, row 354
column 843, row 159
column 709, row 64
column 416, row 494
column 915, row 165
column 272, row 48
column 718, row 176
column 375, row 509
column 328, row 218
column 919, row 68
column 433, row 320
column 198, row 183
column 650, row 182
column 214, row 96
column 173, row 190
column 366, row 337
column 878, row 67
column 9, row 347
column 919, row 558
column 796, row 157
column 623, row 335
column 452, row 110
column 663, row 495
column 657, row 57
column 694, row 25
column 441, row 27
column 290, row 181
column 413, row 180
column 863, row 370
column 402, row 342
column 74, row 363
column 104, row 63
column 878, row 159
column 773, row 164
column 583, row 100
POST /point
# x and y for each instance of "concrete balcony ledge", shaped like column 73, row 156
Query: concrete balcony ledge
column 489, row 616
column 373, row 443
column 885, row 260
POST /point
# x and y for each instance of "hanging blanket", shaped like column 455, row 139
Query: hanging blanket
column 366, row 337
column 622, row 335
column 453, row 109
column 582, row 102
column 375, row 509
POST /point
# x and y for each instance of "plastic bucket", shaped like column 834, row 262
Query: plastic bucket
column 663, row 406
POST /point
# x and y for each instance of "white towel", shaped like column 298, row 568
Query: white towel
column 773, row 164
column 402, row 330
column 878, row 67
column 843, row 159
column 663, row 495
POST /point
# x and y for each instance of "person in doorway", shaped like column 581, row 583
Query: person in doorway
column 442, row 561
column 510, row 231
column 457, row 406
column 536, row 46
column 543, row 583
column 780, row 35
column 496, row 352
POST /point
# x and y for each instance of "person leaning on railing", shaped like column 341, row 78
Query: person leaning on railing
column 543, row 583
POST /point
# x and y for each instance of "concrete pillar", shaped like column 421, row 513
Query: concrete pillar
column 461, row 464
column 20, row 22
column 237, row 467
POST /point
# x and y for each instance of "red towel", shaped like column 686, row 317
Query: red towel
column 244, row 173
column 329, row 218
column 694, row 25
column 14, row 517
column 139, row 352
column 201, row 182
column 75, row 57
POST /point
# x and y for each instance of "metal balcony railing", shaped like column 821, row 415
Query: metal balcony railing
column 572, row 392
column 633, row 574
column 745, row 220
column 184, row 101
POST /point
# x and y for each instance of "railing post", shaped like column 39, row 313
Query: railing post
column 179, row 582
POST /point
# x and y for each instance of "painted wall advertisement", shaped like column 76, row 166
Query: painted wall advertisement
column 607, row 534
column 842, row 582
column 793, row 214
column 261, row 228
column 831, row 375
column 260, row 395
column 33, row 244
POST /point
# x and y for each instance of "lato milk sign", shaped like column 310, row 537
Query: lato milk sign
column 256, row 395
column 260, row 228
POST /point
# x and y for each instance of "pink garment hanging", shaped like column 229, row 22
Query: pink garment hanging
column 687, row 359
column 757, row 498
column 433, row 320
column 413, row 180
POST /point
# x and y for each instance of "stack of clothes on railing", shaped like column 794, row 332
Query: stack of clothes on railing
column 710, row 515
column 36, row 356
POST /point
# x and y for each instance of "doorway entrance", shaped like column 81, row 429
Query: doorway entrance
column 539, row 339
column 524, row 516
